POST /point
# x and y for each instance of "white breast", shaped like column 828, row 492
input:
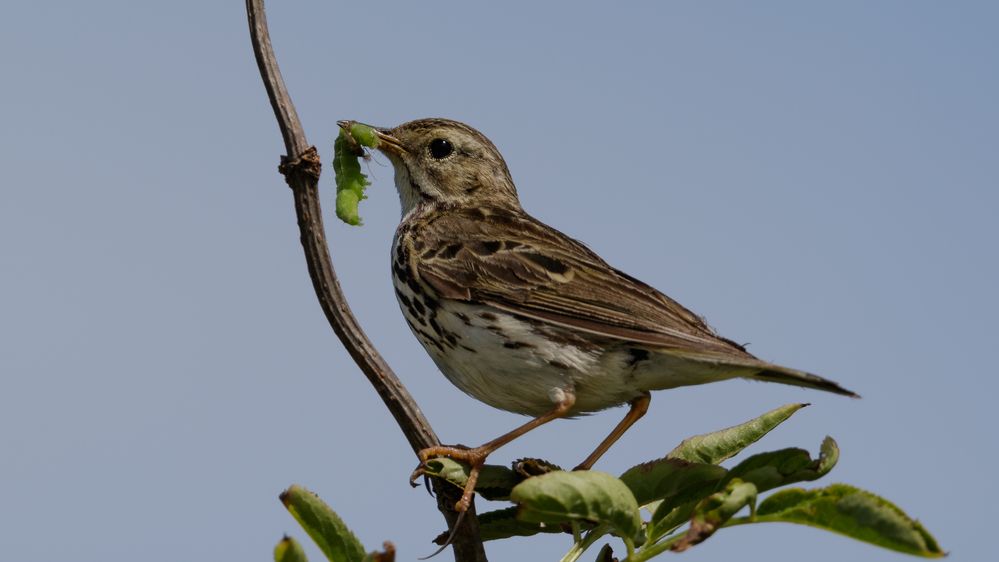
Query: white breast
column 503, row 361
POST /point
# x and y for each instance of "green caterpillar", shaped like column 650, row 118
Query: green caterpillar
column 350, row 181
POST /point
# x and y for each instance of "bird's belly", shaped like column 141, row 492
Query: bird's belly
column 506, row 362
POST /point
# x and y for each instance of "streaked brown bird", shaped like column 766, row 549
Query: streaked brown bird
column 525, row 318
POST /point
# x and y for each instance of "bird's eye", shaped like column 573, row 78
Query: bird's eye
column 441, row 149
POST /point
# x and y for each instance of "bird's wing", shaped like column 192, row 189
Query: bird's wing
column 515, row 263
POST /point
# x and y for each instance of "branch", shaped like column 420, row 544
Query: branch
column 301, row 168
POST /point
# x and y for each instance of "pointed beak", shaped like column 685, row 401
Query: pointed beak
column 386, row 142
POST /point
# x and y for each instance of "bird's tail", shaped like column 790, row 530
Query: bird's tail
column 785, row 375
column 670, row 368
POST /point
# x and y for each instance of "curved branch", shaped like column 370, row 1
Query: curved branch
column 301, row 168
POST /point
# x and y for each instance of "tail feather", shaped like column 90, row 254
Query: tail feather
column 739, row 364
column 785, row 375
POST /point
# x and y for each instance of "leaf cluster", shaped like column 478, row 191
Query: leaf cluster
column 686, row 496
column 689, row 497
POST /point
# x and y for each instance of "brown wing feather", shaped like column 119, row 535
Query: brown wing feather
column 518, row 264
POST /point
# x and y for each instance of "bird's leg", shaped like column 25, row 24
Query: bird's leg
column 477, row 457
column 638, row 408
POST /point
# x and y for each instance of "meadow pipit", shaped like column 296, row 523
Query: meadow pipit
column 523, row 317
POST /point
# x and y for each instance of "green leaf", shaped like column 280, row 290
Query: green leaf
column 288, row 550
column 786, row 466
column 665, row 520
column 325, row 527
column 715, row 510
column 495, row 482
column 503, row 524
column 713, row 448
column 673, row 480
column 852, row 512
column 560, row 497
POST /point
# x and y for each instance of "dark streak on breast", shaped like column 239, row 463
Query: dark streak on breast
column 403, row 299
column 420, row 309
column 430, row 340
column 413, row 285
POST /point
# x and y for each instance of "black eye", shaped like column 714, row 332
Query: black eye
column 440, row 149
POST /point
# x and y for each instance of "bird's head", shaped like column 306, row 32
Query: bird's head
column 445, row 163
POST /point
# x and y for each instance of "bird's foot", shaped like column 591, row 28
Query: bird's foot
column 475, row 458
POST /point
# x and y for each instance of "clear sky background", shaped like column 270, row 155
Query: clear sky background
column 818, row 179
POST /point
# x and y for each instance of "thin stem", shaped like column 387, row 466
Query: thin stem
column 301, row 168
column 650, row 551
column 579, row 547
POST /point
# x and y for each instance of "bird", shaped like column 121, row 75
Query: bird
column 524, row 318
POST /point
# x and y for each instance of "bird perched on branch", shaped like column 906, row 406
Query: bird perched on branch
column 525, row 318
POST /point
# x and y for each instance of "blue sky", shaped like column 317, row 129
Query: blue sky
column 819, row 180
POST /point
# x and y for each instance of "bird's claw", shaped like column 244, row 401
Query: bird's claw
column 421, row 470
column 474, row 457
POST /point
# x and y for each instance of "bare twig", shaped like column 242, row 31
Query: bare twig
column 301, row 168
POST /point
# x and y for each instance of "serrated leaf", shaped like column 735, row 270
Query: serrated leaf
column 593, row 496
column 528, row 467
column 715, row 510
column 673, row 480
column 325, row 527
column 288, row 550
column 849, row 511
column 713, row 448
column 503, row 524
column 495, row 482
column 665, row 520
column 786, row 466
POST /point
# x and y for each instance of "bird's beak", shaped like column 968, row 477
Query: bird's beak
column 386, row 141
